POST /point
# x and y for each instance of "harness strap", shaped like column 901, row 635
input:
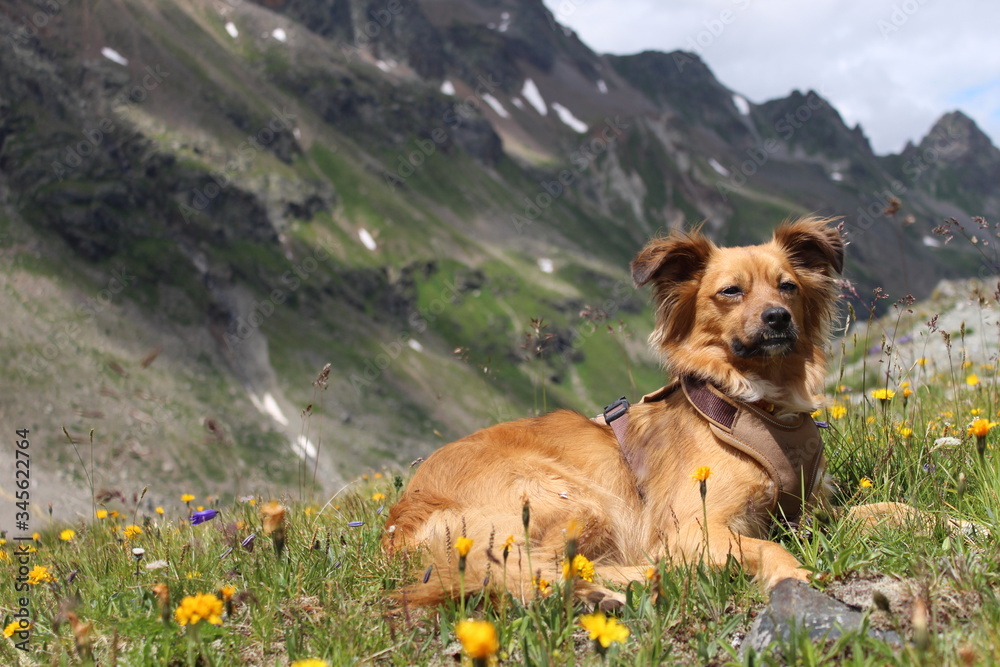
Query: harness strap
column 789, row 452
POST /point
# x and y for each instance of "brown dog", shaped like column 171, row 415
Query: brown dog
column 744, row 330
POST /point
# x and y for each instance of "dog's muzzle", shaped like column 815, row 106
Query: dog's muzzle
column 775, row 338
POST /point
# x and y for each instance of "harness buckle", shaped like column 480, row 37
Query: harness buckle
column 615, row 410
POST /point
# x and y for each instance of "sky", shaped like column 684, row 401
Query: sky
column 895, row 66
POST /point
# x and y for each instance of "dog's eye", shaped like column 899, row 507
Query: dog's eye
column 788, row 286
column 731, row 290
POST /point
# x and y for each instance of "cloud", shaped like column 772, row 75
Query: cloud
column 893, row 67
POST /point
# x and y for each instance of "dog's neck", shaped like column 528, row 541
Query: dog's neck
column 791, row 395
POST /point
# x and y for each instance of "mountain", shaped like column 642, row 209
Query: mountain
column 206, row 203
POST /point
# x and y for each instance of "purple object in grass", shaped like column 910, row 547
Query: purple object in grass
column 203, row 516
column 356, row 524
column 820, row 424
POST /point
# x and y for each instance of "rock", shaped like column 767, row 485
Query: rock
column 794, row 604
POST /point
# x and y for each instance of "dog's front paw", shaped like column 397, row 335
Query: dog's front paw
column 605, row 600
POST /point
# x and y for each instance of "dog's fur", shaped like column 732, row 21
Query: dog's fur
column 751, row 320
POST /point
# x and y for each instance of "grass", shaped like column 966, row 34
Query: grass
column 318, row 585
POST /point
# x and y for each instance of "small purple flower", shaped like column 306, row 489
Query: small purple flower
column 356, row 524
column 820, row 424
column 203, row 516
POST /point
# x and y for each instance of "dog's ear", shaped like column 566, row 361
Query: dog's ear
column 671, row 259
column 812, row 244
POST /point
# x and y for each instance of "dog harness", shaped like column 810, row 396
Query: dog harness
column 789, row 451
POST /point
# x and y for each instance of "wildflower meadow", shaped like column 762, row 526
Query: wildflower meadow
column 911, row 416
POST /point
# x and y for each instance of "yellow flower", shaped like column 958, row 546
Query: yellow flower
column 904, row 384
column 36, row 536
column 479, row 638
column 310, row 662
column 67, row 535
column 39, row 575
column 603, row 629
column 972, row 380
column 922, row 361
column 128, row 532
column 883, row 394
column 4, row 556
column 227, row 592
column 838, row 411
column 843, row 389
column 196, row 608
column 272, row 515
column 543, row 586
column 463, row 545
column 905, row 431
column 13, row 627
column 981, row 427
column 582, row 567
column 378, row 475
column 975, row 412
column 187, row 498
column 378, row 496
column 816, row 414
column 102, row 514
column 865, row 483
column 159, row 510
column 966, row 364
column 701, row 474
column 907, row 392
column 508, row 543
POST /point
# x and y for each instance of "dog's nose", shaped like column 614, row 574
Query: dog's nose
column 777, row 318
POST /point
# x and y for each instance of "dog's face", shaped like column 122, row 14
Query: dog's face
column 737, row 316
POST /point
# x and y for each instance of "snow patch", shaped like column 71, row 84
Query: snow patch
column 602, row 87
column 304, row 448
column 530, row 92
column 114, row 56
column 232, row 30
column 271, row 408
column 931, row 242
column 383, row 65
column 567, row 117
column 268, row 406
column 516, row 101
column 367, row 239
column 447, row 87
column 504, row 22
column 279, row 34
column 718, row 167
column 741, row 104
column 836, row 176
column 415, row 345
column 546, row 265
column 495, row 105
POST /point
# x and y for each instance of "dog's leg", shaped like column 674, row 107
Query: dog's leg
column 767, row 561
column 901, row 515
